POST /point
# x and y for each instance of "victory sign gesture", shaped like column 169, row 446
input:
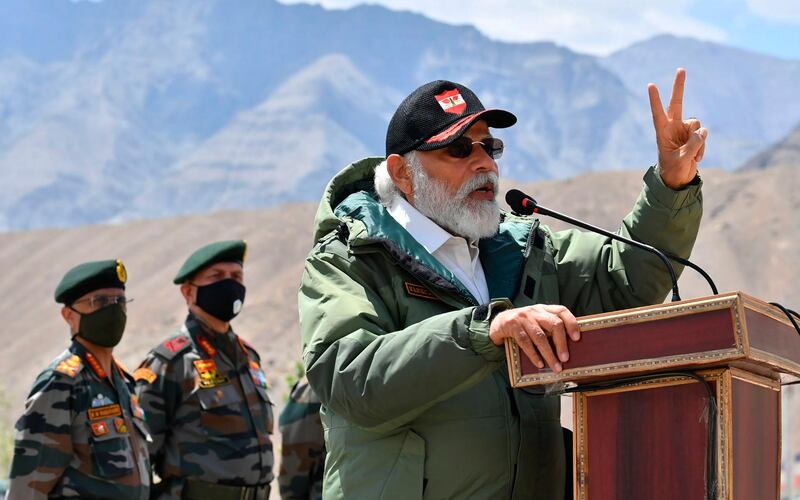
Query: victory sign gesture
column 681, row 143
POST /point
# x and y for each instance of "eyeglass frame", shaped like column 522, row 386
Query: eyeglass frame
column 108, row 299
column 494, row 153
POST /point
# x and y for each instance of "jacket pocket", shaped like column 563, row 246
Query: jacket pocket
column 112, row 455
column 220, row 410
column 406, row 479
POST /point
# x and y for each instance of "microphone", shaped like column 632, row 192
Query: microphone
column 523, row 204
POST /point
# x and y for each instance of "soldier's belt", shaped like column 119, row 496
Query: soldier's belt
column 202, row 490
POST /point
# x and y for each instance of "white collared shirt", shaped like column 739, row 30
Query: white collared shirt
column 455, row 253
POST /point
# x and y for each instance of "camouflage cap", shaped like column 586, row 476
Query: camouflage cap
column 220, row 251
column 90, row 276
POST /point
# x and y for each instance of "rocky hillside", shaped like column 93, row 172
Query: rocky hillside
column 784, row 153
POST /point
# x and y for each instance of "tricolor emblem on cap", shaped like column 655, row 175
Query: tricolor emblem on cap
column 451, row 101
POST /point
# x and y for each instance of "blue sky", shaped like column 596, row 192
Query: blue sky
column 771, row 27
column 602, row 26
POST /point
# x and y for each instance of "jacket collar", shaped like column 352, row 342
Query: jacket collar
column 429, row 234
column 350, row 199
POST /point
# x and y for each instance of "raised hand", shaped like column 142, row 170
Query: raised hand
column 681, row 143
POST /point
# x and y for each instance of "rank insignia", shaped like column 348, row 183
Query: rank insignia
column 96, row 368
column 209, row 376
column 112, row 410
column 119, row 424
column 70, row 366
column 145, row 374
column 100, row 428
column 206, row 346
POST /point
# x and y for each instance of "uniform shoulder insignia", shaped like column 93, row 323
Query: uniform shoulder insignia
column 69, row 365
column 174, row 346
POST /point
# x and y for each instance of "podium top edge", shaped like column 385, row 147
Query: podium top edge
column 688, row 306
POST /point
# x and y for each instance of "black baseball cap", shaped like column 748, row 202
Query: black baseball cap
column 436, row 114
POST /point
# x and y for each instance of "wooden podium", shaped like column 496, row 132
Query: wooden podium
column 648, row 438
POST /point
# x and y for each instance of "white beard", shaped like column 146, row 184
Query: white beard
column 456, row 213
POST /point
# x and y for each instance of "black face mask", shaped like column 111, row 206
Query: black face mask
column 222, row 299
column 103, row 327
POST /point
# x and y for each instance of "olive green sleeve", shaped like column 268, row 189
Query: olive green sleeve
column 596, row 274
column 368, row 370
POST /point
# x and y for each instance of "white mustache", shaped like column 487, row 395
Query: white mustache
column 476, row 182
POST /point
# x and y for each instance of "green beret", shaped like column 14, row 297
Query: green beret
column 88, row 277
column 220, row 251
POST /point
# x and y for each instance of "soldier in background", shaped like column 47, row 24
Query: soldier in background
column 205, row 392
column 303, row 445
column 82, row 434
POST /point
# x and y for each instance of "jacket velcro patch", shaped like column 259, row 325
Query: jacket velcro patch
column 419, row 291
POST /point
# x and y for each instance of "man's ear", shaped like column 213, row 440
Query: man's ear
column 186, row 291
column 400, row 174
column 72, row 318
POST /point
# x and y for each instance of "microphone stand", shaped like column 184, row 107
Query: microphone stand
column 538, row 209
column 526, row 201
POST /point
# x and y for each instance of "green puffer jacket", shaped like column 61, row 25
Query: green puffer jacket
column 416, row 398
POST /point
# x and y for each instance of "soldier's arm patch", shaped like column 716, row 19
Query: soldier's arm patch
column 145, row 374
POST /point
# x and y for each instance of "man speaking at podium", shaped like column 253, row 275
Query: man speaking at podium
column 417, row 278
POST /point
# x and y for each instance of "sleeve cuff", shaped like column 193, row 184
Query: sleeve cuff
column 479, row 329
column 671, row 198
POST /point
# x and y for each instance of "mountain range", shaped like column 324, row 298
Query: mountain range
column 785, row 152
column 112, row 111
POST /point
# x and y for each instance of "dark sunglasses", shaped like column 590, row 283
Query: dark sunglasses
column 462, row 147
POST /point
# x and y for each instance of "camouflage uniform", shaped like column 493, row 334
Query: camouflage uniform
column 208, row 411
column 80, row 436
column 303, row 448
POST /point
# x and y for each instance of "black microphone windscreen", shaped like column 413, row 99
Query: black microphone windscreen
column 515, row 198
